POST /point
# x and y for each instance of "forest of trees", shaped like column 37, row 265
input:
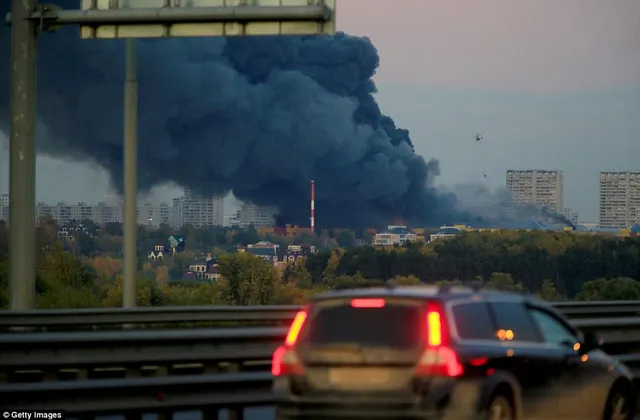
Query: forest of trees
column 553, row 265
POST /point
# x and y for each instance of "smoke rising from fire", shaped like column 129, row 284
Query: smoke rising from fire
column 259, row 116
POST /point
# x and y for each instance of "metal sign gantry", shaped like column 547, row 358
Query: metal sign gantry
column 117, row 19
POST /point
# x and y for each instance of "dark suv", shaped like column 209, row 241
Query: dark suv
column 444, row 353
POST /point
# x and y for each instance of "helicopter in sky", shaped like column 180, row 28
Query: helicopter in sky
column 479, row 137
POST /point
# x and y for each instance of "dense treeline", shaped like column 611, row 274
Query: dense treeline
column 553, row 265
column 568, row 259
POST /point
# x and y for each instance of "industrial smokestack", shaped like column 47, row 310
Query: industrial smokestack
column 313, row 206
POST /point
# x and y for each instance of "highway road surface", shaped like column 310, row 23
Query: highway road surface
column 266, row 413
column 258, row 413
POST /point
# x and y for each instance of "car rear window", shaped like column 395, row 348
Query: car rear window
column 393, row 326
column 473, row 321
column 515, row 317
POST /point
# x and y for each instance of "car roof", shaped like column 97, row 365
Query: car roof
column 430, row 292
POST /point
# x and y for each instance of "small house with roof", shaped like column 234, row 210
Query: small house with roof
column 447, row 232
column 394, row 235
column 69, row 231
column 157, row 253
column 297, row 250
column 206, row 268
column 266, row 250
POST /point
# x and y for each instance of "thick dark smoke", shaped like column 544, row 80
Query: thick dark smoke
column 259, row 116
column 496, row 209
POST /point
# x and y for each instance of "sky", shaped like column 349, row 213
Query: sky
column 552, row 84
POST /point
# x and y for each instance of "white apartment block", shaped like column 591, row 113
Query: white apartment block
column 65, row 213
column 198, row 210
column 177, row 215
column 154, row 215
column 258, row 216
column 4, row 207
column 619, row 199
column 540, row 187
column 571, row 215
column 231, row 219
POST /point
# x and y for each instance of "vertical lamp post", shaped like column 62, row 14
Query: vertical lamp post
column 130, row 176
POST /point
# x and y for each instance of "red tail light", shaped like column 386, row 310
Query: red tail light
column 296, row 327
column 285, row 361
column 438, row 359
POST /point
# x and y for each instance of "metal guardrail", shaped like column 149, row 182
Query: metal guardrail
column 232, row 315
column 147, row 316
column 134, row 371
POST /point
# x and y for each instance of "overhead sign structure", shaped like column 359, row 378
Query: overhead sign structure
column 114, row 19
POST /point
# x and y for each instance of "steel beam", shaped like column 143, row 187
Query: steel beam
column 320, row 13
column 22, row 157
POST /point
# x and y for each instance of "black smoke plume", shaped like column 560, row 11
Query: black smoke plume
column 259, row 116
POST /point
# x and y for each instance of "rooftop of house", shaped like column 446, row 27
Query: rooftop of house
column 448, row 231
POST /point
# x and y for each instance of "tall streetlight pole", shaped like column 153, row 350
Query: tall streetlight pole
column 130, row 176
column 22, row 157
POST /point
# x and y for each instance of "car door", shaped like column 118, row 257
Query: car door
column 525, row 356
column 570, row 376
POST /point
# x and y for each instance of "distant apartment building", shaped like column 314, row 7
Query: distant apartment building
column 258, row 216
column 231, row 219
column 154, row 215
column 177, row 214
column 571, row 215
column 539, row 187
column 619, row 199
column 4, row 207
column 199, row 210
column 65, row 213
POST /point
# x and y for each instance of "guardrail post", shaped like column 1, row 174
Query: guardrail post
column 235, row 413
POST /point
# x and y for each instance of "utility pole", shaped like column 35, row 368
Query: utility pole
column 130, row 176
column 22, row 157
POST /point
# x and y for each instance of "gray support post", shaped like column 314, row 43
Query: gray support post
column 130, row 176
column 22, row 157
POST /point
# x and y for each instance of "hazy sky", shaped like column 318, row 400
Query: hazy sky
column 553, row 84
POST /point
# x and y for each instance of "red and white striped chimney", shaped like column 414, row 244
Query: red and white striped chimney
column 313, row 206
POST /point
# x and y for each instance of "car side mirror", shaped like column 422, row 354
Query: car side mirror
column 590, row 342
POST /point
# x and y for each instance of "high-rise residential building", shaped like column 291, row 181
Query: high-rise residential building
column 177, row 213
column 4, row 207
column 199, row 210
column 539, row 187
column 154, row 215
column 232, row 219
column 65, row 213
column 619, row 199
column 258, row 216
column 571, row 215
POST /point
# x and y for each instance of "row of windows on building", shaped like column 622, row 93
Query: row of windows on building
column 619, row 204
column 189, row 209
